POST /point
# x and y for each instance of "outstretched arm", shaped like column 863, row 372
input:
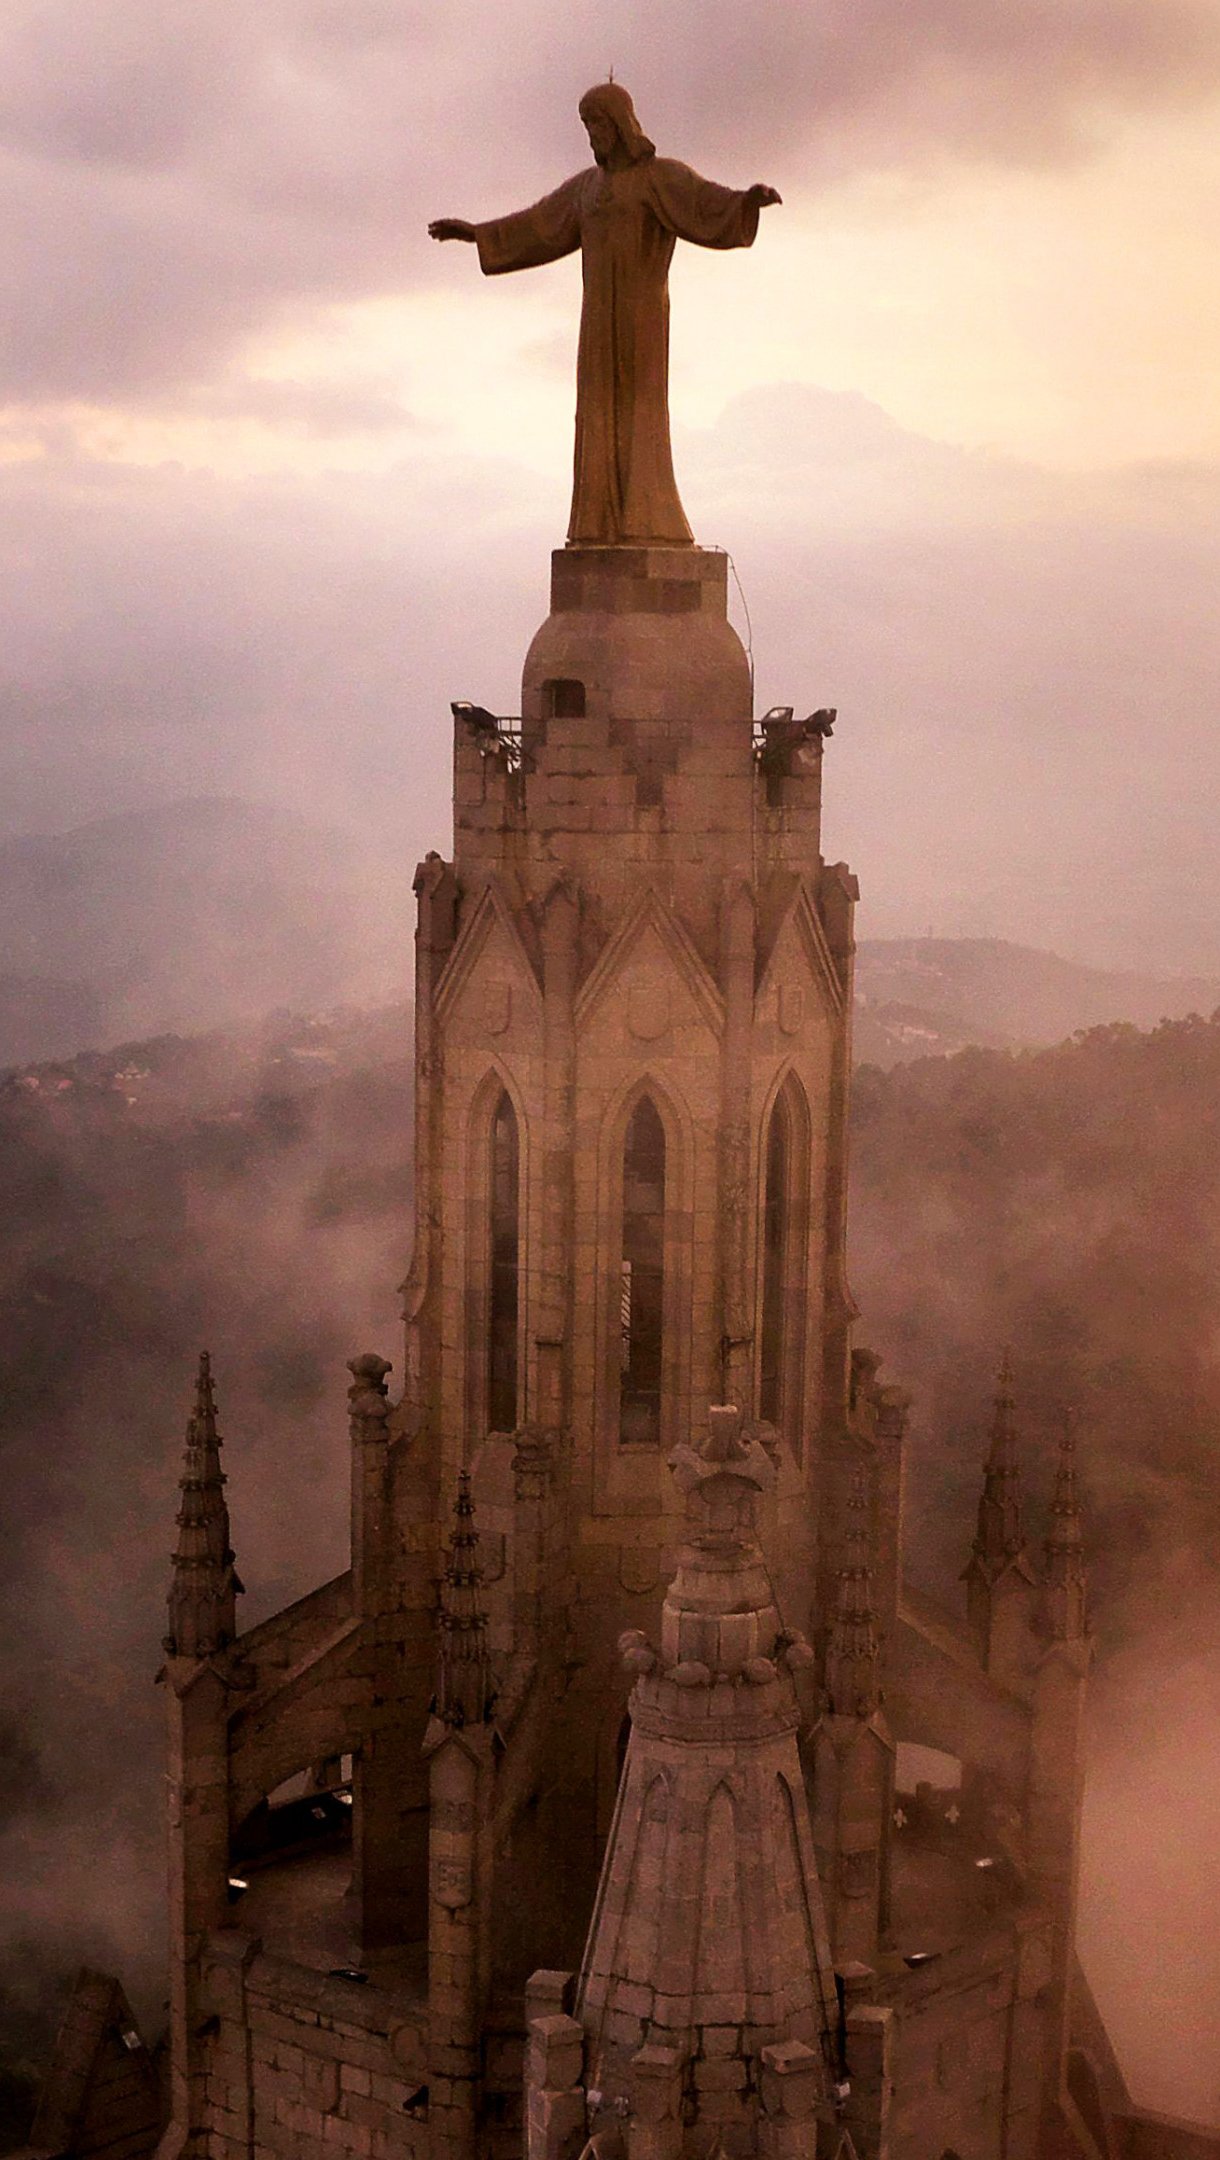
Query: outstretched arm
column 703, row 211
column 541, row 234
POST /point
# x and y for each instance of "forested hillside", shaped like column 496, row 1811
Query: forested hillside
column 1066, row 1202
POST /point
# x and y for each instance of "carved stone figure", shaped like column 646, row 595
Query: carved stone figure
column 624, row 215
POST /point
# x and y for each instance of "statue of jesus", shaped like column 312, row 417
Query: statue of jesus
column 624, row 214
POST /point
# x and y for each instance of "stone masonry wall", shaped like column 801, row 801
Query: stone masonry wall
column 301, row 2063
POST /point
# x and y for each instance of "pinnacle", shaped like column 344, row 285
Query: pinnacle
column 205, row 1394
column 853, row 1650
column 724, row 1442
column 464, row 1693
column 1065, row 1568
column 202, row 1609
column 1001, row 1535
column 1003, row 1427
column 1066, row 1526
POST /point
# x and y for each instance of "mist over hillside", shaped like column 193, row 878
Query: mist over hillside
column 249, row 1191
column 198, row 914
column 211, row 911
column 917, row 997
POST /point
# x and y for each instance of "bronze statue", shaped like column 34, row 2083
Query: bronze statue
column 624, row 215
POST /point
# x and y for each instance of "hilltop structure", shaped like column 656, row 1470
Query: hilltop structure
column 835, row 1831
column 620, row 1797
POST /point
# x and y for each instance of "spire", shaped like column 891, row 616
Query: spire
column 853, row 1652
column 709, row 1937
column 1066, row 1582
column 202, row 1598
column 464, row 1692
column 1000, row 1537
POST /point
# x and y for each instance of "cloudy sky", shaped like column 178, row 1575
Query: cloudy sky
column 281, row 475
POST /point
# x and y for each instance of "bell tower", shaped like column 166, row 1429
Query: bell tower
column 633, row 994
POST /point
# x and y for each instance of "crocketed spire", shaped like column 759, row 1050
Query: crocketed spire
column 203, row 1590
column 853, row 1651
column 1066, row 1581
column 709, row 1934
column 464, row 1692
column 1000, row 1538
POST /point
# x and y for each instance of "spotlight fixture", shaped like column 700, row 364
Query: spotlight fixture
column 476, row 716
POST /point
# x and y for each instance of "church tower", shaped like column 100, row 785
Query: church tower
column 633, row 1432
column 631, row 1040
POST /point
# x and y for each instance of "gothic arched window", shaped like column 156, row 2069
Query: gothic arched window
column 503, row 1268
column 642, row 1278
column 775, row 1229
column 782, row 1302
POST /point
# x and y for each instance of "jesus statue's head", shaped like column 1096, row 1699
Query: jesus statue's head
column 615, row 135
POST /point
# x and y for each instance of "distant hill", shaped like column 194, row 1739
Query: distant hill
column 209, row 912
column 921, row 997
column 201, row 913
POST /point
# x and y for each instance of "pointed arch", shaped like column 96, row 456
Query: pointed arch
column 644, row 1238
column 642, row 1277
column 721, row 1960
column 636, row 1851
column 808, row 1950
column 782, row 1295
column 495, row 1274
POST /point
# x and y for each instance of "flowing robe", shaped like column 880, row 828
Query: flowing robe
column 625, row 223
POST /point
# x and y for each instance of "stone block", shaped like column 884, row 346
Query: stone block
column 792, row 2081
column 556, row 2052
column 870, row 2039
column 358, row 2108
column 720, row 2074
column 320, row 2082
column 555, row 2124
column 656, row 2082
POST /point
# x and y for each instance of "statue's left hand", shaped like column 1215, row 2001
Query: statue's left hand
column 762, row 197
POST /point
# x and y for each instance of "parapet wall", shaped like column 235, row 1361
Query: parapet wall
column 304, row 2062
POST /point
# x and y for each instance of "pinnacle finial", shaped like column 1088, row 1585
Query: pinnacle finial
column 202, row 1599
column 1000, row 1536
column 464, row 1691
column 1004, row 1399
column 853, row 1649
column 1066, row 1579
column 721, row 1479
column 205, row 1392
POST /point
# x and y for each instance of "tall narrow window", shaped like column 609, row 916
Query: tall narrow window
column 504, row 1260
column 642, row 1281
column 776, row 1240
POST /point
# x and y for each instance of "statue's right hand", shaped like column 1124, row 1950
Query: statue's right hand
column 451, row 228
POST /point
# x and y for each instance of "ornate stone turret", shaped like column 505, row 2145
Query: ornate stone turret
column 853, row 1754
column 202, row 1598
column 1066, row 1581
column 706, row 2004
column 1000, row 1579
